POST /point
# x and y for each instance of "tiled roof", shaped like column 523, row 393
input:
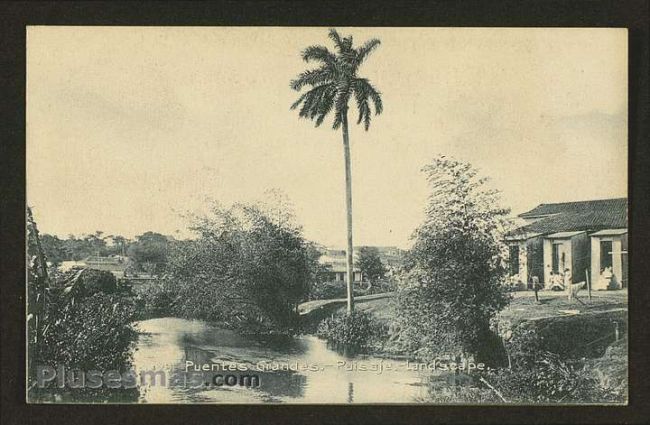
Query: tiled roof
column 610, row 232
column 576, row 216
column 564, row 235
column 614, row 205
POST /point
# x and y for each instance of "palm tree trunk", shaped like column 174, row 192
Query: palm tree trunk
column 348, row 208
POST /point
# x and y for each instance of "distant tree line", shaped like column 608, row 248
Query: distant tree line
column 148, row 252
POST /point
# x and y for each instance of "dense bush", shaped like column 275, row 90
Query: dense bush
column 584, row 335
column 327, row 290
column 382, row 286
column 540, row 376
column 247, row 270
column 611, row 370
column 453, row 285
column 333, row 289
column 451, row 394
column 358, row 331
column 78, row 320
column 156, row 300
column 92, row 333
column 550, row 380
column 97, row 281
column 85, row 325
column 149, row 252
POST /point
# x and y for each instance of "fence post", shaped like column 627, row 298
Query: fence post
column 588, row 283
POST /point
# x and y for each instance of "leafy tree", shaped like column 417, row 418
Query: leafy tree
column 370, row 264
column 120, row 245
column 80, row 248
column 54, row 249
column 149, row 251
column 332, row 85
column 95, row 243
column 246, row 270
column 357, row 332
column 454, row 288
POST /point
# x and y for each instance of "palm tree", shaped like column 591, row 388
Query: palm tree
column 332, row 85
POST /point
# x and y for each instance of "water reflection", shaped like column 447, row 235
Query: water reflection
column 166, row 344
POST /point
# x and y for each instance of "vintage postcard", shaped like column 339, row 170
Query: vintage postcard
column 327, row 215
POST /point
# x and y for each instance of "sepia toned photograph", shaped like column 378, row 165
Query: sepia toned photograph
column 326, row 215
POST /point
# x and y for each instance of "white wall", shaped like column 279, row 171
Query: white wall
column 548, row 261
column 598, row 281
column 594, row 272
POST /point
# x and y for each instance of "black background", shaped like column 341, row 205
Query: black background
column 15, row 16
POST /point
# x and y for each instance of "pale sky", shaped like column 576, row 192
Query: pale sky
column 129, row 127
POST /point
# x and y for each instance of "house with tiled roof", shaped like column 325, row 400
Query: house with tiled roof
column 571, row 242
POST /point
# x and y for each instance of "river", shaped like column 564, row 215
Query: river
column 168, row 343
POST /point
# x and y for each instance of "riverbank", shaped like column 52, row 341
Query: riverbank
column 588, row 334
column 522, row 307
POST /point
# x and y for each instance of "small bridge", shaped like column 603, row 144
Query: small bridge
column 310, row 307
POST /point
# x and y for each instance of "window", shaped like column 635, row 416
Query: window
column 514, row 260
column 605, row 254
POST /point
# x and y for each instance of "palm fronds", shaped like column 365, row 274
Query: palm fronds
column 366, row 49
column 312, row 78
column 319, row 54
column 335, row 82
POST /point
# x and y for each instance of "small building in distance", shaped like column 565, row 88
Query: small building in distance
column 568, row 241
column 335, row 260
column 336, row 263
column 115, row 264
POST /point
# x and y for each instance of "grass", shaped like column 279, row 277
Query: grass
column 312, row 312
column 381, row 309
column 522, row 307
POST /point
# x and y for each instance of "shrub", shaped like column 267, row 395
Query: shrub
column 247, row 270
column 540, row 376
column 328, row 290
column 358, row 331
column 453, row 286
column 157, row 300
column 550, row 380
column 333, row 289
column 82, row 327
column 611, row 370
column 77, row 320
column 575, row 336
column 95, row 281
column 381, row 286
column 450, row 394
column 91, row 333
